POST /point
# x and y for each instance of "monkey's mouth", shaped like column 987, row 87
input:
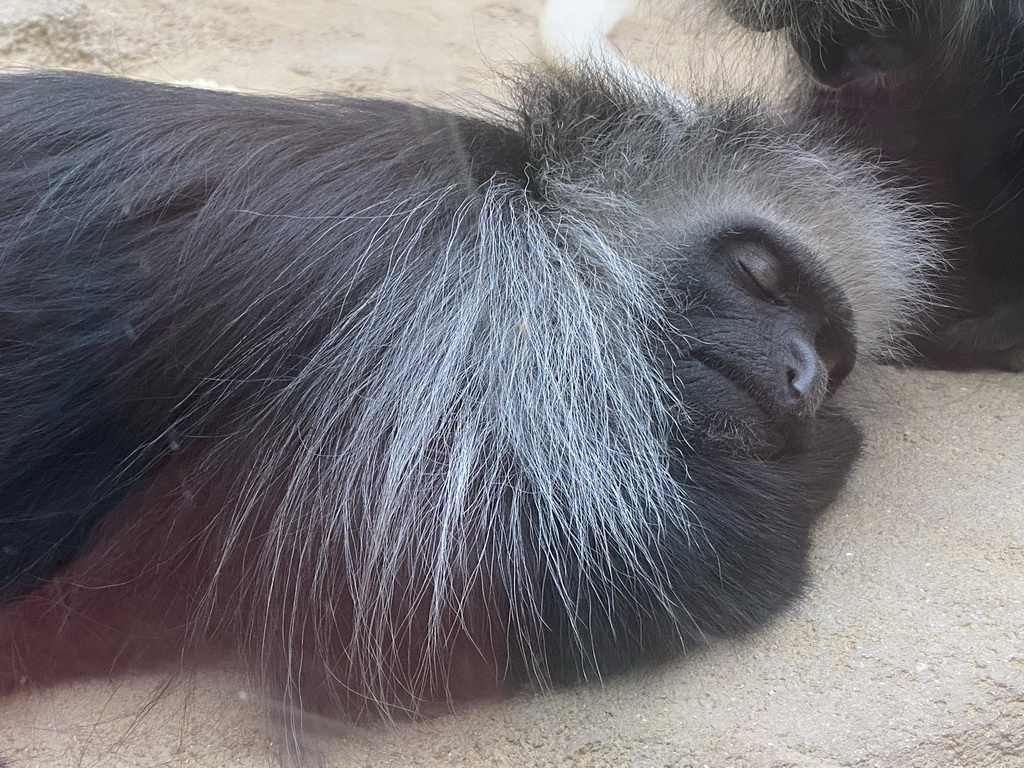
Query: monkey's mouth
column 790, row 386
column 734, row 416
column 770, row 441
column 843, row 55
column 855, row 67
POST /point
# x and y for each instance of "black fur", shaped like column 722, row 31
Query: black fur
column 362, row 386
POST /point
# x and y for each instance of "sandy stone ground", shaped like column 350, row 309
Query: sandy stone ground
column 908, row 650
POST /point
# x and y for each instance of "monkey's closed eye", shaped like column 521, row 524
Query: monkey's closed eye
column 759, row 269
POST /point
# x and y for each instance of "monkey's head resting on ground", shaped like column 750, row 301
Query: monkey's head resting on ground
column 938, row 86
column 406, row 404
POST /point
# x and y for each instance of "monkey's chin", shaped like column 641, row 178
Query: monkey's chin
column 768, row 438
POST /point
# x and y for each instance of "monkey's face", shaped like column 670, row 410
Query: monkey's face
column 840, row 46
column 765, row 341
column 756, row 340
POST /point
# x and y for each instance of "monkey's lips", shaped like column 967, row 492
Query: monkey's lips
column 740, row 418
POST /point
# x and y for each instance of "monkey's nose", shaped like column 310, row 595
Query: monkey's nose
column 805, row 375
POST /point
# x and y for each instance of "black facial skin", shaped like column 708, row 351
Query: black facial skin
column 835, row 47
column 948, row 105
column 771, row 328
column 759, row 342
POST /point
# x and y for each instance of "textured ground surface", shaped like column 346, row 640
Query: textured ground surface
column 908, row 651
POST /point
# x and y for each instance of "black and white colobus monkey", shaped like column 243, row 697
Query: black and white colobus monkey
column 406, row 404
column 939, row 85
